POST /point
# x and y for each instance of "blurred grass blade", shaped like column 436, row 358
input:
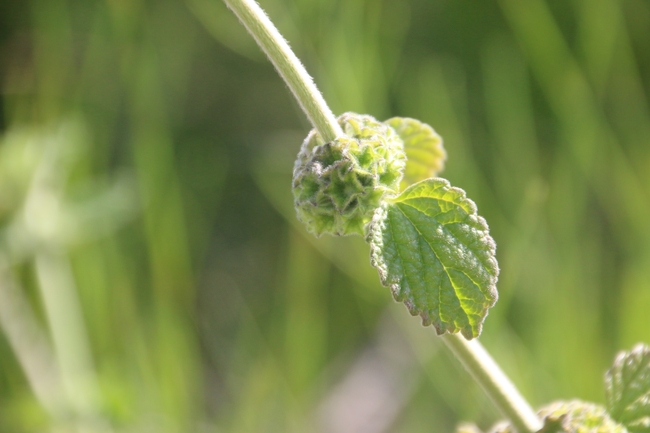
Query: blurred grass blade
column 30, row 344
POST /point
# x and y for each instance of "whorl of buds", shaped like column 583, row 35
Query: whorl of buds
column 338, row 185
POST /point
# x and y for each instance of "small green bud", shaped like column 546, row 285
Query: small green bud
column 338, row 185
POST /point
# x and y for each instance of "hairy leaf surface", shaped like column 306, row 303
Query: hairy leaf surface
column 436, row 255
column 423, row 146
column 627, row 386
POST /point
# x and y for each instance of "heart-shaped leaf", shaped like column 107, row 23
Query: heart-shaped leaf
column 436, row 255
column 627, row 387
column 423, row 146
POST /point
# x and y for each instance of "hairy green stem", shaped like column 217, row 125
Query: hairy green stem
column 470, row 353
column 494, row 382
column 285, row 61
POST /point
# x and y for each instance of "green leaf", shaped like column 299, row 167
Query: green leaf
column 436, row 255
column 423, row 146
column 627, row 387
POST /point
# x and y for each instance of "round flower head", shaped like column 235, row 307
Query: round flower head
column 338, row 185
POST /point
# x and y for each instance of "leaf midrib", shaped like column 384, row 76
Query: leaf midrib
column 478, row 259
column 434, row 253
column 451, row 281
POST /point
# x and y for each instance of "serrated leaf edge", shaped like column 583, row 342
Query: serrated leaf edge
column 375, row 240
column 614, row 390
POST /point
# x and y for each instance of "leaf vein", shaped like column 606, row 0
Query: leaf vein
column 460, row 242
column 451, row 281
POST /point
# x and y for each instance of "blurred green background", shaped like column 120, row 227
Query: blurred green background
column 154, row 278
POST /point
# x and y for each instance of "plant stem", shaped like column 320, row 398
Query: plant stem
column 289, row 67
column 471, row 353
column 494, row 382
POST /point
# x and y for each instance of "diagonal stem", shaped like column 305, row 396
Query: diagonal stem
column 288, row 66
column 471, row 353
column 494, row 382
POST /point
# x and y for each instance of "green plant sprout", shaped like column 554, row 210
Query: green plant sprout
column 355, row 175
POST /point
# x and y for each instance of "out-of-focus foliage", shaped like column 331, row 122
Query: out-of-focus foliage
column 153, row 274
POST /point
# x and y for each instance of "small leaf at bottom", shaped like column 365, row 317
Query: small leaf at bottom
column 436, row 255
column 627, row 387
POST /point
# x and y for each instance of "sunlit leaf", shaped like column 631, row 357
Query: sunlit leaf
column 627, row 386
column 436, row 255
column 423, row 146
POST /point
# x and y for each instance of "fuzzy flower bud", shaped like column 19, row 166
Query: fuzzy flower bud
column 338, row 185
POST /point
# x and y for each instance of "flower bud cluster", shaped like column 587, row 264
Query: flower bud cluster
column 338, row 185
